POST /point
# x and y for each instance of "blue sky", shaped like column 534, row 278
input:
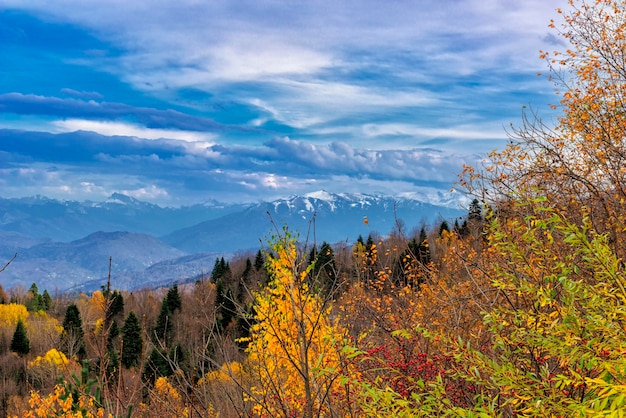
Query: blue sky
column 177, row 102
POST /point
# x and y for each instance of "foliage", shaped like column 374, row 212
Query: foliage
column 11, row 313
column 60, row 403
column 292, row 355
column 164, row 401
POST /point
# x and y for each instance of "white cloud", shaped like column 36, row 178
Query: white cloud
column 462, row 132
column 127, row 129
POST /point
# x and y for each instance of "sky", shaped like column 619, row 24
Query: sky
column 181, row 102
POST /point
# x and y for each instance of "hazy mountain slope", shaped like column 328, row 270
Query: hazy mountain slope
column 69, row 220
column 332, row 217
column 57, row 265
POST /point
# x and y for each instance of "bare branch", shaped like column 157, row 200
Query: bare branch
column 9, row 262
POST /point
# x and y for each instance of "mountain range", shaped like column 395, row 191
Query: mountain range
column 67, row 245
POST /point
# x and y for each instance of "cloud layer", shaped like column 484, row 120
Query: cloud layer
column 191, row 100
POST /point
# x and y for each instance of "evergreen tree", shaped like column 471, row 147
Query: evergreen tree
column 247, row 270
column 443, row 227
column 221, row 270
column 115, row 305
column 72, row 337
column 259, row 261
column 47, row 300
column 173, row 299
column 34, row 290
column 244, row 282
column 132, row 342
column 162, row 331
column 475, row 212
column 114, row 332
column 35, row 301
column 324, row 268
column 20, row 343
column 157, row 365
column 113, row 363
column 423, row 250
column 227, row 309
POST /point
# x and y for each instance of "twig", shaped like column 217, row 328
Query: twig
column 9, row 262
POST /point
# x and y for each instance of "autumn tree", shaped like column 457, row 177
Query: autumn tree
column 292, row 354
column 579, row 163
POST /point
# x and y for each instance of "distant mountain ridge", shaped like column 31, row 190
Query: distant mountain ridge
column 323, row 216
column 57, row 220
column 65, row 245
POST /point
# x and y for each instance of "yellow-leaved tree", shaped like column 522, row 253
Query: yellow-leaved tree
column 294, row 346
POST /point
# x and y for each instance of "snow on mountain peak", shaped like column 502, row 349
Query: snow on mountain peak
column 122, row 199
column 321, row 195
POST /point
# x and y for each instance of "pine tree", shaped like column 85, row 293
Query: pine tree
column 114, row 331
column 443, row 227
column 35, row 301
column 227, row 309
column 475, row 212
column 47, row 300
column 72, row 337
column 162, row 331
column 157, row 365
column 20, row 343
column 132, row 343
column 221, row 270
column 423, row 251
column 173, row 299
column 244, row 283
column 259, row 261
column 324, row 268
column 115, row 305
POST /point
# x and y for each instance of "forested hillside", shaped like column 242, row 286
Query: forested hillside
column 517, row 310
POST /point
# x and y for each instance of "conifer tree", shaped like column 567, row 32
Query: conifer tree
column 162, row 331
column 259, row 261
column 47, row 300
column 443, row 227
column 115, row 305
column 227, row 309
column 20, row 343
column 423, row 251
column 173, row 299
column 72, row 337
column 132, row 342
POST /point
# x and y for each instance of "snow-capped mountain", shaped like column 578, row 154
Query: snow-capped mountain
column 319, row 216
column 60, row 248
